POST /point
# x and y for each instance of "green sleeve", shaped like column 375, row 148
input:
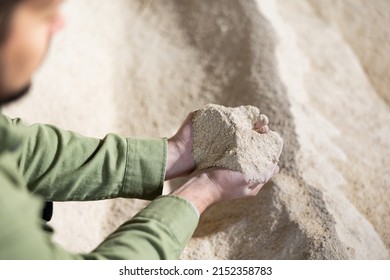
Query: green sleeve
column 160, row 231
column 51, row 159
column 65, row 166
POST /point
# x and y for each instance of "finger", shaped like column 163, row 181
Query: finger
column 280, row 147
column 191, row 116
column 262, row 130
column 276, row 170
column 255, row 185
column 263, row 119
column 255, row 190
column 272, row 171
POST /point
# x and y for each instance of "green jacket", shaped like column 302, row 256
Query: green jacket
column 43, row 163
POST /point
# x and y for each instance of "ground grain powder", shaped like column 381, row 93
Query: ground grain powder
column 225, row 137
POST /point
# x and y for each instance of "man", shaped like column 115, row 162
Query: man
column 44, row 163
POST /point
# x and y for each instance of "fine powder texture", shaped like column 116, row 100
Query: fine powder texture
column 225, row 137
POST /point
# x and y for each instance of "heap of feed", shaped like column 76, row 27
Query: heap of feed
column 226, row 137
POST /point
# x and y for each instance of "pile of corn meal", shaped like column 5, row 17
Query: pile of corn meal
column 225, row 137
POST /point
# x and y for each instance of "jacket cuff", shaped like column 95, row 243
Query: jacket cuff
column 177, row 214
column 145, row 168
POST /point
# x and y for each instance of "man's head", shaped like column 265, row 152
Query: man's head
column 26, row 29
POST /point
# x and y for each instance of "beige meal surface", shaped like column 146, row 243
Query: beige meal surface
column 318, row 69
column 226, row 137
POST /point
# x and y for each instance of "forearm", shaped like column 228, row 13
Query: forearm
column 160, row 231
column 199, row 191
column 62, row 165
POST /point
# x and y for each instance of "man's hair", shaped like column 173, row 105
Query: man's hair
column 7, row 8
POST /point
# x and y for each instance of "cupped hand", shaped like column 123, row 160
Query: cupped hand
column 180, row 161
column 230, row 185
column 216, row 185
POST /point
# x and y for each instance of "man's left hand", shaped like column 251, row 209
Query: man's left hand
column 180, row 161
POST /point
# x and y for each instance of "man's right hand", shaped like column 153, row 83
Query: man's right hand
column 215, row 185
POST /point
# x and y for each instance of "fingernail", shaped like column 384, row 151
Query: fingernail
column 264, row 129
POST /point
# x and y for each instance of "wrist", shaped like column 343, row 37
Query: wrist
column 179, row 159
column 199, row 191
column 172, row 159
